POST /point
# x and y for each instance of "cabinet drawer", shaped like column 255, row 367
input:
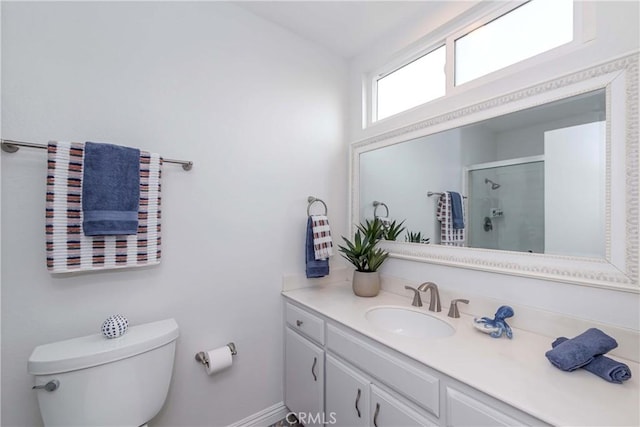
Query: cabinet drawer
column 406, row 379
column 464, row 410
column 306, row 323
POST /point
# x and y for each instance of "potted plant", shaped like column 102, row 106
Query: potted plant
column 365, row 257
column 412, row 237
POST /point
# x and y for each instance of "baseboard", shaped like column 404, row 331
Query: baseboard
column 266, row 417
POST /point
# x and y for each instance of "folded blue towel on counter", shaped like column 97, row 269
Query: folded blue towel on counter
column 579, row 351
column 314, row 267
column 603, row 366
column 110, row 189
column 457, row 212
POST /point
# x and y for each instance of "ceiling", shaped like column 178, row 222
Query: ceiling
column 343, row 27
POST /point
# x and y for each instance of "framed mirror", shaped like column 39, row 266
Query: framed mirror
column 548, row 178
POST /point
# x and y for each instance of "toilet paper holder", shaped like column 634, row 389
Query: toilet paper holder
column 201, row 356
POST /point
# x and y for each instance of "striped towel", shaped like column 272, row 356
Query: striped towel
column 322, row 243
column 68, row 249
column 448, row 235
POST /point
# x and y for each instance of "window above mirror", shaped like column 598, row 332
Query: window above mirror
column 508, row 37
column 528, row 30
column 415, row 83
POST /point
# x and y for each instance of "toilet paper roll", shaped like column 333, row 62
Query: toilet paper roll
column 219, row 359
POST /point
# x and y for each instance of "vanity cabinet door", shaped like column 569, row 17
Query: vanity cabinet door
column 347, row 395
column 304, row 379
column 388, row 411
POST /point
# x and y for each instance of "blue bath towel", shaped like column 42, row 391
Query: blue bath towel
column 314, row 268
column 603, row 366
column 457, row 213
column 110, row 189
column 581, row 350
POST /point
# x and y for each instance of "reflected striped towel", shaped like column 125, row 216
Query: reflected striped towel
column 448, row 235
column 322, row 242
column 68, row 249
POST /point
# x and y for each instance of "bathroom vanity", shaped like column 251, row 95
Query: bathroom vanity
column 343, row 369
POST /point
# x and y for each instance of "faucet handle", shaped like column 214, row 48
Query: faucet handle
column 453, row 308
column 417, row 301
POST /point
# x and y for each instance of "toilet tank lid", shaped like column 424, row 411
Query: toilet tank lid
column 94, row 350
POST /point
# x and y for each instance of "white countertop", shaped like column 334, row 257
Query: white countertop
column 514, row 371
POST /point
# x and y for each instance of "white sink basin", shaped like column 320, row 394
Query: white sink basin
column 409, row 322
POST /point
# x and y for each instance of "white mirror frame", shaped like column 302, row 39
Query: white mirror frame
column 619, row 268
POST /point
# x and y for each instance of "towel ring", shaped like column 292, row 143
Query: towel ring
column 312, row 200
column 431, row 193
column 376, row 204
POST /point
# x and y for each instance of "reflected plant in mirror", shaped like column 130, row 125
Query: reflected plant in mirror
column 415, row 237
column 392, row 230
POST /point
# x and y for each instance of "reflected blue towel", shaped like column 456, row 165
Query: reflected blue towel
column 314, row 268
column 581, row 350
column 602, row 366
column 457, row 214
column 110, row 189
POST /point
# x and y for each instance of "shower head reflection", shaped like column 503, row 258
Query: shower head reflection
column 494, row 186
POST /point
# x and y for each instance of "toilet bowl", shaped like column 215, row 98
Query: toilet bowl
column 94, row 381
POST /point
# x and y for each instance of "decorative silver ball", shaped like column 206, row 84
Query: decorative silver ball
column 115, row 326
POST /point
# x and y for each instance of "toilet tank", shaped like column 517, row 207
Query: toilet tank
column 106, row 382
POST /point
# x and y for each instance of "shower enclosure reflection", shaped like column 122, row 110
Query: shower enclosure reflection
column 534, row 180
column 509, row 215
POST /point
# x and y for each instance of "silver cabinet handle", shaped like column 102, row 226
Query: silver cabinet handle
column 299, row 322
column 375, row 415
column 358, row 401
column 315, row 362
column 50, row 386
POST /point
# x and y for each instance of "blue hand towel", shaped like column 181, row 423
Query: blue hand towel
column 457, row 214
column 579, row 351
column 110, row 189
column 603, row 366
column 314, row 268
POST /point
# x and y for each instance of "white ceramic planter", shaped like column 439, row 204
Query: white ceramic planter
column 366, row 284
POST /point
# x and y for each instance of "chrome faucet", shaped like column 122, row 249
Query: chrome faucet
column 417, row 301
column 453, row 308
column 434, row 301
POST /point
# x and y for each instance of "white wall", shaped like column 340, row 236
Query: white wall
column 617, row 34
column 577, row 187
column 260, row 112
column 401, row 175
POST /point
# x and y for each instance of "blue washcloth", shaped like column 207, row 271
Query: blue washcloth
column 110, row 189
column 314, row 268
column 579, row 351
column 604, row 367
column 457, row 213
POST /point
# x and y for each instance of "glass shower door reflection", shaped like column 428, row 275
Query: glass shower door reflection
column 506, row 207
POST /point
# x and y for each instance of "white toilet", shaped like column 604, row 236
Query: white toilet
column 95, row 381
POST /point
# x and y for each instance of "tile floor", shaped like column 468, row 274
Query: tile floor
column 286, row 423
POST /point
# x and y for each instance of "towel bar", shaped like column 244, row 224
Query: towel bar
column 431, row 193
column 9, row 146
